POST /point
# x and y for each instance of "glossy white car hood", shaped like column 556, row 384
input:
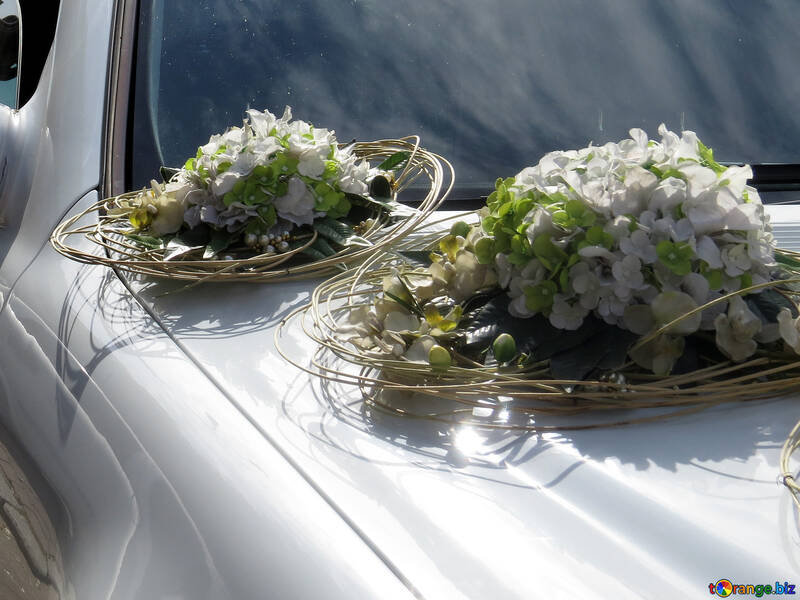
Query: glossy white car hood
column 656, row 510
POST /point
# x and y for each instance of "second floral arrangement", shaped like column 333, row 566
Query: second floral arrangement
column 634, row 274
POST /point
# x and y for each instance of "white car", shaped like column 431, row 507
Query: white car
column 165, row 450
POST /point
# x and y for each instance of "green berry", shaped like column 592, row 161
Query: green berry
column 460, row 228
column 504, row 347
column 439, row 357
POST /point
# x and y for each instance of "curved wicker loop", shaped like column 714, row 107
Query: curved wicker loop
column 787, row 477
column 107, row 232
column 525, row 398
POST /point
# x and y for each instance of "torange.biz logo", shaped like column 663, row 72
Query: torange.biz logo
column 725, row 588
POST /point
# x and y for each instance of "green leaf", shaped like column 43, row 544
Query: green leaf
column 220, row 240
column 395, row 161
column 707, row 158
column 167, row 173
column 408, row 306
column 358, row 200
column 186, row 241
column 319, row 249
column 147, row 241
column 768, row 303
column 787, row 260
column 604, row 350
column 534, row 336
column 334, row 230
column 417, row 258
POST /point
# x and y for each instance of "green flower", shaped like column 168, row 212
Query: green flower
column 676, row 257
column 574, row 214
column 539, row 298
column 714, row 276
column 485, row 251
column 596, row 236
column 548, row 253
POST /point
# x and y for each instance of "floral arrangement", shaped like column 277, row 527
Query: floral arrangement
column 634, row 274
column 274, row 191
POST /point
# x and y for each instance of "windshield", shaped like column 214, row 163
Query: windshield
column 491, row 85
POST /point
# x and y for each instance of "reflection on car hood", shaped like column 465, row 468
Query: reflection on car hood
column 654, row 510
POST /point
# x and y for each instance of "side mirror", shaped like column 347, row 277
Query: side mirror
column 9, row 47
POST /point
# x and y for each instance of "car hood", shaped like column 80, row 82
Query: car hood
column 653, row 510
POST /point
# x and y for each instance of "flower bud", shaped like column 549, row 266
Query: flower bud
column 460, row 228
column 504, row 347
column 439, row 357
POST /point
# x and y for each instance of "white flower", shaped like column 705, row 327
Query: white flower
column 736, row 259
column 640, row 245
column 169, row 204
column 639, row 185
column 669, row 194
column 696, row 286
column 311, row 163
column 789, row 329
column 736, row 329
column 353, row 176
column 708, row 251
column 241, row 167
column 565, row 315
column 518, row 308
column 541, row 222
column 400, row 321
column 470, row 276
column 586, row 284
column 659, row 355
column 618, row 228
column 628, row 272
column 597, row 252
column 418, row 351
column 610, row 307
column 671, row 305
column 297, row 205
column 504, row 269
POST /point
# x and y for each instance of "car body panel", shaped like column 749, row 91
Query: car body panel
column 165, row 486
column 179, row 456
column 53, row 146
column 668, row 506
column 158, row 486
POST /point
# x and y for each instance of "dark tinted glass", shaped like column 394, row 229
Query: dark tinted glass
column 9, row 51
column 490, row 84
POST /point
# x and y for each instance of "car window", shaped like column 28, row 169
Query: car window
column 491, row 85
column 9, row 51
